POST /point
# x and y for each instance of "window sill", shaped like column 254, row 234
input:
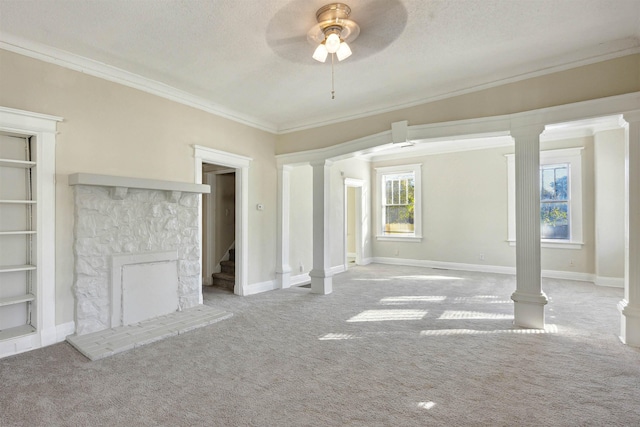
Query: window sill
column 555, row 244
column 385, row 238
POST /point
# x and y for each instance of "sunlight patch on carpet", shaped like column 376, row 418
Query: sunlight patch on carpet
column 386, row 315
column 428, row 277
column 334, row 336
column 484, row 299
column 476, row 315
column 426, row 405
column 410, row 299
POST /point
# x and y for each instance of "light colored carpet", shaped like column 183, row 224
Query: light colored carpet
column 392, row 346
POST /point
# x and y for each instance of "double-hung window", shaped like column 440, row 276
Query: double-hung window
column 400, row 213
column 554, row 202
column 560, row 198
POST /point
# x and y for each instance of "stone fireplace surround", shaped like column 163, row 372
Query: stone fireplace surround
column 146, row 223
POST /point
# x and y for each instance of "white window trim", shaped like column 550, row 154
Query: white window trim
column 417, row 209
column 573, row 157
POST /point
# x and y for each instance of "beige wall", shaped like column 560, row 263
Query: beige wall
column 112, row 129
column 609, row 194
column 301, row 220
column 464, row 205
column 608, row 78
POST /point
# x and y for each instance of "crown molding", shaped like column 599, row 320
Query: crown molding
column 478, row 133
column 608, row 51
column 113, row 74
column 612, row 50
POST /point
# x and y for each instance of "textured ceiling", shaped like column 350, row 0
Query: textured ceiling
column 250, row 59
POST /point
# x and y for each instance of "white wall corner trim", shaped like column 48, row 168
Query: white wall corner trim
column 256, row 288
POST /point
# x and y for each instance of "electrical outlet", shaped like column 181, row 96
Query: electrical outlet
column 397, row 252
column 571, row 263
column 481, row 257
column 301, row 267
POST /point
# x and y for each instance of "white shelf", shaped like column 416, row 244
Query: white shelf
column 17, row 300
column 16, row 332
column 9, row 233
column 18, row 202
column 12, row 268
column 16, row 163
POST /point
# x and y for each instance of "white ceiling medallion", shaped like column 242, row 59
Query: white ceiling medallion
column 331, row 33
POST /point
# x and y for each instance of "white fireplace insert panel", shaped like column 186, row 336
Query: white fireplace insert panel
column 143, row 286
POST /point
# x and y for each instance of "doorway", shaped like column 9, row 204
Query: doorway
column 353, row 222
column 218, row 226
column 240, row 166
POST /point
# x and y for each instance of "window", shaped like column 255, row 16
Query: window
column 560, row 198
column 554, row 201
column 399, row 202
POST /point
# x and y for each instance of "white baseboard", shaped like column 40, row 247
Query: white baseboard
column 496, row 269
column 256, row 288
column 568, row 275
column 351, row 254
column 337, row 269
column 300, row 279
column 64, row 330
column 610, row 282
column 445, row 265
column 34, row 341
column 366, row 261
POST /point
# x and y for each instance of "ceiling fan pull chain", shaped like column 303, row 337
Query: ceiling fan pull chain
column 332, row 78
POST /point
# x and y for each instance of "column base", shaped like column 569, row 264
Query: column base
column 283, row 279
column 321, row 282
column 629, row 324
column 528, row 311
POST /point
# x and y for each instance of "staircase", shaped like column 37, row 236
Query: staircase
column 227, row 277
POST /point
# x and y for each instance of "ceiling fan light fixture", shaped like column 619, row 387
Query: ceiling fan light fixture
column 320, row 53
column 344, row 51
column 331, row 33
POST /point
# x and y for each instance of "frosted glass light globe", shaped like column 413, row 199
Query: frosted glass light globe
column 332, row 43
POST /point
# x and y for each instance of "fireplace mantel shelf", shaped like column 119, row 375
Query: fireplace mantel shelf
column 121, row 182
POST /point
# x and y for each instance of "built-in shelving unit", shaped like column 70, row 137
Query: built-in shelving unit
column 27, row 232
column 18, row 283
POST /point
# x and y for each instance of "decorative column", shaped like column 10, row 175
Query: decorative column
column 283, row 270
column 529, row 300
column 630, row 306
column 321, row 280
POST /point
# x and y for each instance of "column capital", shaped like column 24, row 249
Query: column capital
column 631, row 116
column 321, row 162
column 526, row 130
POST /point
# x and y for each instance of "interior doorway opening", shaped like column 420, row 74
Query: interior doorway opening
column 218, row 227
column 353, row 222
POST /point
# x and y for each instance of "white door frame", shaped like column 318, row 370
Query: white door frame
column 241, row 166
column 358, row 184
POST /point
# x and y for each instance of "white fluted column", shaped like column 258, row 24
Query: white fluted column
column 283, row 270
column 321, row 280
column 529, row 300
column 630, row 306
